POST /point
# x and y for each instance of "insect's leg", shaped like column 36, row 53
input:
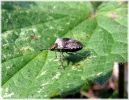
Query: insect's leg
column 70, row 53
column 62, row 55
column 55, row 54
column 61, row 59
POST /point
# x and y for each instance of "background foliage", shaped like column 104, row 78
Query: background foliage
column 28, row 27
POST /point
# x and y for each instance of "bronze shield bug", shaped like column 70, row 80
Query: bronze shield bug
column 66, row 45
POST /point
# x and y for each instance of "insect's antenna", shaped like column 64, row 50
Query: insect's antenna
column 44, row 49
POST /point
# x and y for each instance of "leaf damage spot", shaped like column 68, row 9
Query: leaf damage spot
column 45, row 84
column 35, row 37
column 92, row 57
column 22, row 32
column 56, row 60
column 54, row 7
column 5, row 35
column 25, row 49
column 51, row 59
column 45, row 95
column 34, row 30
column 4, row 56
column 6, row 89
column 43, row 73
column 74, row 68
column 56, row 76
column 39, row 91
column 51, row 27
column 113, row 15
column 61, row 29
column 98, row 74
column 5, row 45
column 68, row 23
column 8, row 67
column 83, row 78
column 6, row 93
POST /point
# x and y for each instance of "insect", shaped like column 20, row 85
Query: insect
column 66, row 45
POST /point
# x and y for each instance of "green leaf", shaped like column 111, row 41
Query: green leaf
column 29, row 27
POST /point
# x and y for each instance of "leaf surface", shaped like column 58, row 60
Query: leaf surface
column 28, row 72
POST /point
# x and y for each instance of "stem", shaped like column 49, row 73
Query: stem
column 121, row 80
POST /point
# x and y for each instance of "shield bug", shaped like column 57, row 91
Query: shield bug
column 66, row 45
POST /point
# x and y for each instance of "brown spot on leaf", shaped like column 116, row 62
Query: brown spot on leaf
column 113, row 15
column 34, row 37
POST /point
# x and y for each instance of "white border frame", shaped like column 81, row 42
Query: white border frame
column 54, row 1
